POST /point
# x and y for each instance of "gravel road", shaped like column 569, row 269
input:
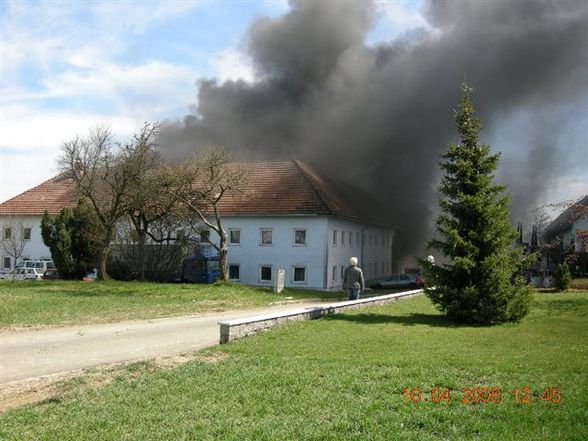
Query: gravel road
column 34, row 353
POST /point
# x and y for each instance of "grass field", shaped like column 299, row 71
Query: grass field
column 342, row 378
column 24, row 303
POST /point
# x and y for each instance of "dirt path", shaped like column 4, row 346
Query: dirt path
column 31, row 354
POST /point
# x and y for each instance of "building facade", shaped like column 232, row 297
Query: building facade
column 567, row 239
column 291, row 218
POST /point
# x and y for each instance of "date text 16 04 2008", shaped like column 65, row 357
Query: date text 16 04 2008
column 483, row 395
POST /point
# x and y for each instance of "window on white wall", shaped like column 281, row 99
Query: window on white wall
column 6, row 262
column 342, row 271
column 26, row 233
column 234, row 273
column 335, row 238
column 266, row 236
column 265, row 273
column 234, row 236
column 205, row 236
column 299, row 275
column 8, row 233
column 334, row 273
column 299, row 236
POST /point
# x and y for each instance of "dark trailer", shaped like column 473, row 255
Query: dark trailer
column 202, row 266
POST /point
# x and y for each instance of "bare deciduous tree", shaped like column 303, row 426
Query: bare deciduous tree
column 14, row 237
column 103, row 171
column 149, row 199
column 200, row 184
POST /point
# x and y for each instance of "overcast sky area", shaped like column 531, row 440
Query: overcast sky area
column 67, row 67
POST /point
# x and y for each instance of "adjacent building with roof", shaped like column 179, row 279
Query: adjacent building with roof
column 568, row 237
column 291, row 218
column 20, row 219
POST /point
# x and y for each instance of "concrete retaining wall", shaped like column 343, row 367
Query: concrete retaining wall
column 239, row 328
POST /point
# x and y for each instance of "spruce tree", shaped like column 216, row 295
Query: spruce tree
column 482, row 281
column 72, row 238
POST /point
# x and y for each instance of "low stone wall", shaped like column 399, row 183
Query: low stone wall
column 239, row 328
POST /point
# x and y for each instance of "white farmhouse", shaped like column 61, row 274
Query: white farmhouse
column 291, row 218
column 20, row 220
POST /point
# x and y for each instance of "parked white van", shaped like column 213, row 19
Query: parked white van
column 42, row 265
column 23, row 274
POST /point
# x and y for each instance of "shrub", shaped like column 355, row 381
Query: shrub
column 563, row 277
column 579, row 283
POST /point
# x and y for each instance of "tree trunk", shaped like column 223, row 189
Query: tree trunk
column 222, row 256
column 104, row 252
column 141, row 254
column 102, row 274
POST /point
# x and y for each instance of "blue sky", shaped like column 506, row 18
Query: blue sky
column 68, row 66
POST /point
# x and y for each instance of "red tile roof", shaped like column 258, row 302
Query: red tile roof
column 51, row 195
column 293, row 187
column 276, row 188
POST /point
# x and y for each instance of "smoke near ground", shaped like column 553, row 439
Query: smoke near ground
column 380, row 117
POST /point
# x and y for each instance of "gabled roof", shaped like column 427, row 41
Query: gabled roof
column 275, row 188
column 51, row 195
column 565, row 220
column 295, row 188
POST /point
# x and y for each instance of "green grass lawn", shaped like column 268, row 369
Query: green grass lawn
column 343, row 378
column 30, row 303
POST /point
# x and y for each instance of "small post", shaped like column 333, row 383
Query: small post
column 280, row 278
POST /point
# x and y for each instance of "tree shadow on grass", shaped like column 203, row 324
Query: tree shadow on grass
column 98, row 293
column 414, row 319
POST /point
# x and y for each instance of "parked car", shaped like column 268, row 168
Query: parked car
column 23, row 274
column 41, row 265
column 51, row 274
column 405, row 280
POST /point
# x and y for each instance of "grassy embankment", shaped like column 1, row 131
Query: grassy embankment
column 44, row 303
column 343, row 378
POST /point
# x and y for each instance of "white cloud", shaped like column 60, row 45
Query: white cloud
column 402, row 15
column 25, row 172
column 396, row 18
column 233, row 65
column 137, row 16
column 31, row 143
column 148, row 89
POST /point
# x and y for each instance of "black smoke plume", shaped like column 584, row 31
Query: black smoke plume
column 380, row 117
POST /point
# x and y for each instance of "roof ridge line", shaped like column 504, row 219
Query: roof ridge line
column 33, row 188
column 300, row 165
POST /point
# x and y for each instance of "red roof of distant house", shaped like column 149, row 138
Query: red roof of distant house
column 275, row 188
column 51, row 195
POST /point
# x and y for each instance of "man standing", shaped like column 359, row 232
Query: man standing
column 353, row 280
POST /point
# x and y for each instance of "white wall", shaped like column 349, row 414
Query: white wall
column 318, row 254
column 34, row 248
column 371, row 245
column 283, row 253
